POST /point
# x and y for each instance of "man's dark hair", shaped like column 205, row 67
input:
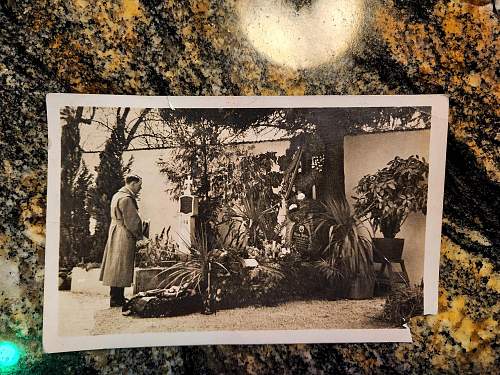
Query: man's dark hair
column 132, row 178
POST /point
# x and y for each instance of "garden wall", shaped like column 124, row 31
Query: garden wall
column 365, row 154
column 155, row 203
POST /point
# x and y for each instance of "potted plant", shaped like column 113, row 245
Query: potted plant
column 387, row 197
column 348, row 253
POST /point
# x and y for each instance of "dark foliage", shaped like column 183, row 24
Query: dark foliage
column 271, row 283
column 348, row 251
column 203, row 154
column 81, row 214
column 402, row 304
column 387, row 197
column 110, row 178
column 75, row 182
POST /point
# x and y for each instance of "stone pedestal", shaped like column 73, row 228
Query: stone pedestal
column 144, row 279
column 188, row 210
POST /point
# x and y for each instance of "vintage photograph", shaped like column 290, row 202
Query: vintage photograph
column 195, row 217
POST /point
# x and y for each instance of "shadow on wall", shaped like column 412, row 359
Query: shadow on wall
column 365, row 154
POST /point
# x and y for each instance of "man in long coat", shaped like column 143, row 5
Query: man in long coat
column 117, row 269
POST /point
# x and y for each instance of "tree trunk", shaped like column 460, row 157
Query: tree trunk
column 333, row 181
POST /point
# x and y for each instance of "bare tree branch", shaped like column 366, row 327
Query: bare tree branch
column 138, row 122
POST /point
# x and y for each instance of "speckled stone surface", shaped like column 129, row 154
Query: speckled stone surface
column 198, row 47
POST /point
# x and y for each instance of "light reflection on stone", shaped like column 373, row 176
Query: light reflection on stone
column 300, row 39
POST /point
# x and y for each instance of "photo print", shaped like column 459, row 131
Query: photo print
column 241, row 220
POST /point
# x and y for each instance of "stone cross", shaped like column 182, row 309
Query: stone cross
column 188, row 184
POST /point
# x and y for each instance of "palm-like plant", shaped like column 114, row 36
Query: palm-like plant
column 192, row 272
column 348, row 252
column 254, row 212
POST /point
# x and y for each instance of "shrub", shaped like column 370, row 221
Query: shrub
column 192, row 272
column 348, row 252
column 402, row 304
column 158, row 252
column 387, row 197
column 272, row 282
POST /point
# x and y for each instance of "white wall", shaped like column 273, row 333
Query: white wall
column 365, row 154
column 155, row 203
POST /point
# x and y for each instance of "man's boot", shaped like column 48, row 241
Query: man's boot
column 117, row 295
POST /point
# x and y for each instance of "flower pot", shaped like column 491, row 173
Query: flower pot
column 358, row 288
column 390, row 248
column 362, row 288
column 338, row 287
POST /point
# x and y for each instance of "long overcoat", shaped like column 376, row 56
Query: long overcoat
column 117, row 267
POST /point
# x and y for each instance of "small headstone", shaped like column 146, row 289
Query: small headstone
column 301, row 239
column 250, row 263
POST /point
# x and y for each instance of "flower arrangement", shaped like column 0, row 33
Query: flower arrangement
column 255, row 252
column 284, row 251
column 142, row 244
column 156, row 252
column 271, row 250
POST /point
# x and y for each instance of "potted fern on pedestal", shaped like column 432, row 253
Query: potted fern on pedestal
column 387, row 197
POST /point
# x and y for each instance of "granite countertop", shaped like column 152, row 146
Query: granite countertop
column 201, row 47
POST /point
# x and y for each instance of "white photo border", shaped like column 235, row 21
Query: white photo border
column 53, row 343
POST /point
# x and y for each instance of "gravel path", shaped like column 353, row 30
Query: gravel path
column 77, row 312
column 82, row 314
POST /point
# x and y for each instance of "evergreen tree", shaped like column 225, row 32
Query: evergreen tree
column 72, row 207
column 204, row 152
column 111, row 172
column 80, row 228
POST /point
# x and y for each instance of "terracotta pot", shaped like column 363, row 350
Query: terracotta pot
column 391, row 248
column 338, row 288
column 362, row 288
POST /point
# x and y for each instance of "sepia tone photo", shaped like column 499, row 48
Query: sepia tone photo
column 195, row 217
